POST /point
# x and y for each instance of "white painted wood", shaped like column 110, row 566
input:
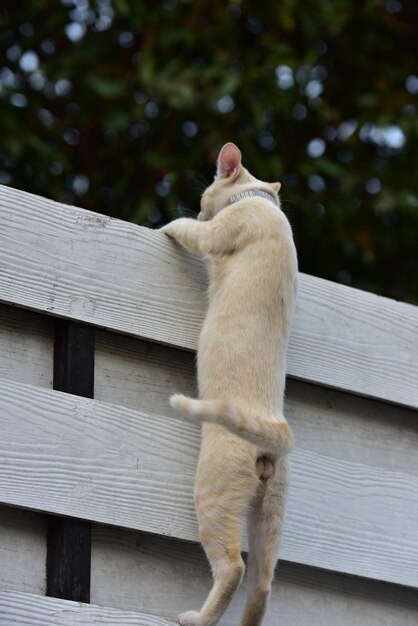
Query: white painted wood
column 22, row 551
column 141, row 572
column 24, row 609
column 26, row 346
column 85, row 458
column 155, row 575
column 78, row 264
column 73, row 263
column 141, row 375
column 355, row 341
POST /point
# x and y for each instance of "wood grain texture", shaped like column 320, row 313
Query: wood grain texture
column 98, row 461
column 24, row 609
column 77, row 264
column 142, row 375
column 141, row 572
column 22, row 551
column 26, row 346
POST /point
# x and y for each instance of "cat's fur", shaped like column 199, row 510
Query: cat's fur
column 242, row 469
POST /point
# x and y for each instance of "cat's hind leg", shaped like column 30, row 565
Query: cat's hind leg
column 227, row 570
column 265, row 520
column 223, row 492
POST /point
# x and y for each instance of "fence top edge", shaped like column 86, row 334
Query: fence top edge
column 330, row 316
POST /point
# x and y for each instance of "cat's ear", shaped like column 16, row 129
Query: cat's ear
column 229, row 161
column 276, row 186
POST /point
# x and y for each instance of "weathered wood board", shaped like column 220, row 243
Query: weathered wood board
column 24, row 609
column 141, row 376
column 26, row 346
column 123, row 460
column 84, row 458
column 143, row 572
column 73, row 263
column 146, row 574
column 22, row 551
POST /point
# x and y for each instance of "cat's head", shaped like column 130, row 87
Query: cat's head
column 231, row 178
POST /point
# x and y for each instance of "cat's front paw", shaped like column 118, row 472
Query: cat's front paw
column 190, row 618
column 167, row 230
column 175, row 226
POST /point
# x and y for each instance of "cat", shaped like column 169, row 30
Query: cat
column 241, row 363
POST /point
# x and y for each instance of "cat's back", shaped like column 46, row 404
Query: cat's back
column 244, row 338
column 262, row 268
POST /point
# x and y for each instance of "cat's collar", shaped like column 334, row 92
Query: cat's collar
column 251, row 192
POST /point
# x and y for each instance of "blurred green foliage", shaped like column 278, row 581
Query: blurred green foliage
column 121, row 107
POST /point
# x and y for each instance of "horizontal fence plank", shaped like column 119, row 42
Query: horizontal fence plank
column 76, row 264
column 81, row 265
column 25, row 609
column 138, row 572
column 141, row 375
column 158, row 575
column 26, row 346
column 22, row 551
column 98, row 461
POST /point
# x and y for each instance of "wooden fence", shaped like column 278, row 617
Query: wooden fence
column 86, row 433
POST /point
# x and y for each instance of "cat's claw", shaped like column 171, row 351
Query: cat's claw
column 190, row 618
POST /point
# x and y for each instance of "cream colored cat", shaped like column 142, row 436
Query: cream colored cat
column 242, row 470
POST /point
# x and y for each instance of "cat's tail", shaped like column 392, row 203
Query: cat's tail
column 265, row 432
